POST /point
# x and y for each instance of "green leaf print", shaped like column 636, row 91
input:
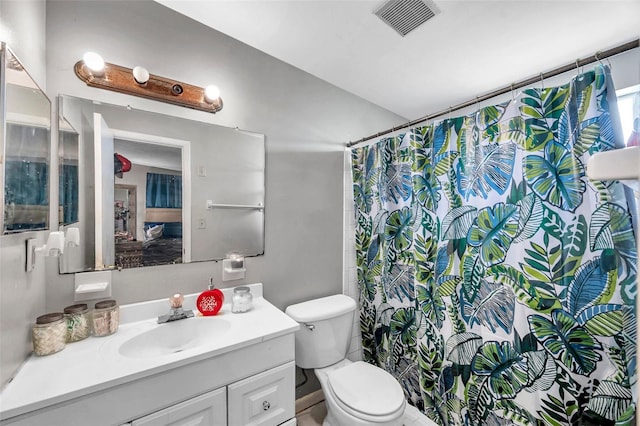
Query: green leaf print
column 480, row 399
column 462, row 347
column 587, row 287
column 492, row 171
column 403, row 326
column 431, row 304
column 427, row 189
column 530, row 216
column 537, row 298
column 556, row 177
column 398, row 229
column 610, row 400
column 493, row 231
column 541, row 109
column 566, row 341
column 602, row 320
column 493, row 307
column 515, row 413
column 444, row 162
column 610, row 226
column 472, row 273
column 541, row 370
column 457, row 222
column 556, row 412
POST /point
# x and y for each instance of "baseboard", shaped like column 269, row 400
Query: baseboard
column 309, row 400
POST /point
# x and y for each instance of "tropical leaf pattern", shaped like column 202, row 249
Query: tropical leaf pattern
column 497, row 283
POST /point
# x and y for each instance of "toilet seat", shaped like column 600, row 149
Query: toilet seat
column 367, row 392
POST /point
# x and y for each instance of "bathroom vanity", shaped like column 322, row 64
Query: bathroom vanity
column 228, row 369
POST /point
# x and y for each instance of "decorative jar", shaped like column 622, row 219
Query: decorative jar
column 49, row 334
column 106, row 318
column 241, row 300
column 78, row 322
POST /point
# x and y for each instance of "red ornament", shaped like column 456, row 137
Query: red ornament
column 210, row 302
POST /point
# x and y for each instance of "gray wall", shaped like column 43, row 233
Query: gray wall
column 306, row 122
column 22, row 27
column 22, row 295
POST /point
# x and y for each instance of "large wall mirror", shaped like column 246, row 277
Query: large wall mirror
column 25, row 116
column 148, row 189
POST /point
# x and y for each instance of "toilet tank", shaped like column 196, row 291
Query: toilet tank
column 325, row 330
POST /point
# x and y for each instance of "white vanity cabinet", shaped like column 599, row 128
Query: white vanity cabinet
column 242, row 374
column 265, row 399
column 209, row 409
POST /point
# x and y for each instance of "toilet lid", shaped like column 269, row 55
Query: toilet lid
column 366, row 389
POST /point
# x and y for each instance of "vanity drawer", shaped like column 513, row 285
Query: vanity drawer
column 204, row 410
column 267, row 398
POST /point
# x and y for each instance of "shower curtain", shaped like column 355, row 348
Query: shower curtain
column 497, row 282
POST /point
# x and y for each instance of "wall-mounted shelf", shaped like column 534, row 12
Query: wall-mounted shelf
column 620, row 164
column 212, row 205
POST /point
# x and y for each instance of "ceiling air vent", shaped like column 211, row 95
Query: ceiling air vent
column 405, row 16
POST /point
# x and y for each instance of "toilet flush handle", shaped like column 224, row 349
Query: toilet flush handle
column 309, row 326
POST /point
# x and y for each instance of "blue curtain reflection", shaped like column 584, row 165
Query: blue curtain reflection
column 164, row 191
column 68, row 187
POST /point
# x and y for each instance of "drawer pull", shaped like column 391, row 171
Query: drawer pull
column 265, row 405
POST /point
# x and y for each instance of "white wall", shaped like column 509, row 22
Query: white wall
column 22, row 294
column 306, row 122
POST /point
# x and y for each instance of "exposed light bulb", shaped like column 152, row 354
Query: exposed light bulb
column 141, row 75
column 211, row 93
column 94, row 62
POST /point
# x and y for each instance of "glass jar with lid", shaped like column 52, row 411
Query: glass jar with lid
column 241, row 300
column 78, row 322
column 106, row 318
column 49, row 334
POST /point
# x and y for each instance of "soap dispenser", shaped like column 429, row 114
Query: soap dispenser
column 210, row 301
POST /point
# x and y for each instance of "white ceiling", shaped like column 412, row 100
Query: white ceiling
column 470, row 48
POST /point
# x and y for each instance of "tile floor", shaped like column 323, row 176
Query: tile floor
column 314, row 415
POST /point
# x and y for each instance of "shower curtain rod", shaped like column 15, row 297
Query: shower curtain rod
column 597, row 57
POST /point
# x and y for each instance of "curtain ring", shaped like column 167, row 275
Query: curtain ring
column 580, row 77
column 597, row 57
column 542, row 80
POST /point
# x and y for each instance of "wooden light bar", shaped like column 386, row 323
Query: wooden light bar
column 120, row 79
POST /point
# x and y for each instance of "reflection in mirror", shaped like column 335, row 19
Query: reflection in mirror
column 149, row 227
column 26, row 146
column 156, row 189
column 68, row 173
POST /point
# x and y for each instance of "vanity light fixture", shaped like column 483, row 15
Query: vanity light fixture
column 140, row 75
column 211, row 94
column 138, row 82
column 94, row 62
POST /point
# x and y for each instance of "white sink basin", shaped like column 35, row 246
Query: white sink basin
column 174, row 337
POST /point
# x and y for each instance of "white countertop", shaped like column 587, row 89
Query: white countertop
column 95, row 363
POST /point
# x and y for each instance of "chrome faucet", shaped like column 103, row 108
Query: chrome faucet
column 176, row 313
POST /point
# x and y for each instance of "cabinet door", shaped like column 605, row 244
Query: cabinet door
column 209, row 409
column 264, row 399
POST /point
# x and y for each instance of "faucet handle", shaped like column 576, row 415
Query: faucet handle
column 176, row 301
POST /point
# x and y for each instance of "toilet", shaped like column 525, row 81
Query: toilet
column 356, row 393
